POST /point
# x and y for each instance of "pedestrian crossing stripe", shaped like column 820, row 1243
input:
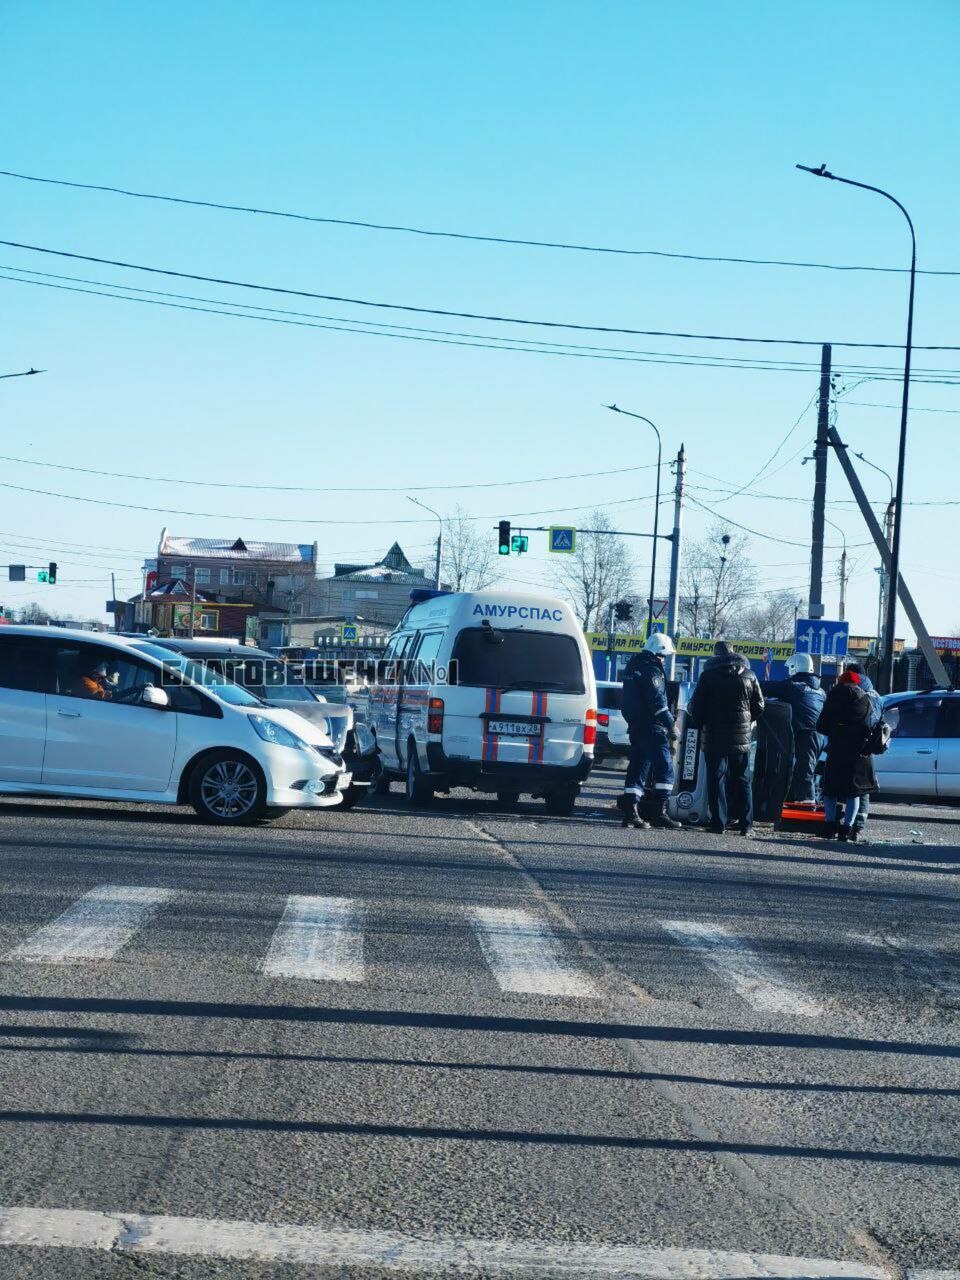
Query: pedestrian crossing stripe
column 321, row 939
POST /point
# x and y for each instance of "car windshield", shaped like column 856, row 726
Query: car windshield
column 517, row 659
column 282, row 692
column 198, row 673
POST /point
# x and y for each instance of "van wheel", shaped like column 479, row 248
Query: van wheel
column 228, row 789
column 417, row 790
column 562, row 801
column 508, row 798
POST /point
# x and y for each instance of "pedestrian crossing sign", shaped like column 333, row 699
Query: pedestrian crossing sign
column 563, row 538
column 349, row 631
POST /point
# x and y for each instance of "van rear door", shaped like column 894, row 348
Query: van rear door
column 520, row 697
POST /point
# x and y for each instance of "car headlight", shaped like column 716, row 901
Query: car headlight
column 270, row 731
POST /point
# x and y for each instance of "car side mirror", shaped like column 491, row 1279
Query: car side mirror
column 154, row 697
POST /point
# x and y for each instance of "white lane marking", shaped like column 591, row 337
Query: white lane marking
column 315, row 1246
column 318, row 939
column 525, row 954
column 95, row 927
column 920, row 961
column 733, row 961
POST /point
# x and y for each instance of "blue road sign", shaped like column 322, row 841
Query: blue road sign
column 349, row 631
column 563, row 538
column 823, row 636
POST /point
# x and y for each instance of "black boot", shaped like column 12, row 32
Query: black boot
column 658, row 813
column 630, row 813
column 829, row 831
column 843, row 832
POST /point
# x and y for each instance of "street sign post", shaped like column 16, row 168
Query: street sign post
column 563, row 538
column 823, row 636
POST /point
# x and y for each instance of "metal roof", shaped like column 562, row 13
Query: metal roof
column 236, row 549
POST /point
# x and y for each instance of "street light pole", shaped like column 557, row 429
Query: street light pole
column 656, row 510
column 439, row 536
column 888, row 535
column 886, row 667
column 26, row 373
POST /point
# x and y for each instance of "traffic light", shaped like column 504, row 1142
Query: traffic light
column 504, row 528
column 519, row 543
column 52, row 572
column 42, row 575
column 623, row 611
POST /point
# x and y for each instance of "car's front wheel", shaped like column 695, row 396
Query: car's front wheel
column 228, row 789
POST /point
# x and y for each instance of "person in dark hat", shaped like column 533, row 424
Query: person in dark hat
column 848, row 774
column 725, row 704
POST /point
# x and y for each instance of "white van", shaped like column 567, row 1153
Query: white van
column 492, row 690
column 98, row 717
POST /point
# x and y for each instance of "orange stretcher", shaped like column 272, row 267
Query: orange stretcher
column 802, row 815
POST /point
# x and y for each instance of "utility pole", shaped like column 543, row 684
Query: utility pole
column 439, row 555
column 113, row 600
column 673, row 594
column 815, row 603
column 888, row 520
column 193, row 598
column 843, row 585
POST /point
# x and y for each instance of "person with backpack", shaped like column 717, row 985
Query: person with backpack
column 876, row 718
column 725, row 704
column 848, row 774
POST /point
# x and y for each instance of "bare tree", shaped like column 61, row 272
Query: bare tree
column 598, row 573
column 718, row 583
column 467, row 554
column 772, row 617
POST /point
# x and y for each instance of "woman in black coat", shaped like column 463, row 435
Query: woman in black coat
column 845, row 719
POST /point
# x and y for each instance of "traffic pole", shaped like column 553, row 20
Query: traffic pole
column 815, row 603
column 673, row 594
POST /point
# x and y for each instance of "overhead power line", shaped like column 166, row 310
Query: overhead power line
column 768, row 537
column 301, row 520
column 476, row 237
column 446, row 311
column 295, row 488
column 492, row 342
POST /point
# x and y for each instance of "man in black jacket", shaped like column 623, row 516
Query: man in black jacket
column 725, row 704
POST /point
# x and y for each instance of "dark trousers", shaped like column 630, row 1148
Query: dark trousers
column 650, row 761
column 727, row 785
column 806, row 752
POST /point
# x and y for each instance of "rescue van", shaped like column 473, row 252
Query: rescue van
column 492, row 690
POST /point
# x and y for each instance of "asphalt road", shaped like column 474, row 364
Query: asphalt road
column 526, row 1045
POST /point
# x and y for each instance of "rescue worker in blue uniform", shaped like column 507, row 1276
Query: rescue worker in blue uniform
column 801, row 691
column 652, row 734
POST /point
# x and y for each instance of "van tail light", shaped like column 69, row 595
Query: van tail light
column 435, row 716
column 590, row 728
column 603, row 719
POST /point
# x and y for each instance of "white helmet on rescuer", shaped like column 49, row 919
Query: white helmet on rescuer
column 798, row 662
column 659, row 643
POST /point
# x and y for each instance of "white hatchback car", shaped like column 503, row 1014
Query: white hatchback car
column 92, row 716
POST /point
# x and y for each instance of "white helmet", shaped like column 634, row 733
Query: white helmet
column 798, row 662
column 659, row 643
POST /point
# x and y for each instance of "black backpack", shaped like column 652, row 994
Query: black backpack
column 879, row 739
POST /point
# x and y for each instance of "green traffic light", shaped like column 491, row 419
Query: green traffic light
column 42, row 575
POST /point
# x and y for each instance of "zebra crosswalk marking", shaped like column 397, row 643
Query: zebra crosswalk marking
column 319, row 939
column 95, row 927
column 742, row 968
column 525, row 955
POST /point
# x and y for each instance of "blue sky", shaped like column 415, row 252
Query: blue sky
column 650, row 126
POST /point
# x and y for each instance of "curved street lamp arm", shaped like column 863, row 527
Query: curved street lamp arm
column 656, row 510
